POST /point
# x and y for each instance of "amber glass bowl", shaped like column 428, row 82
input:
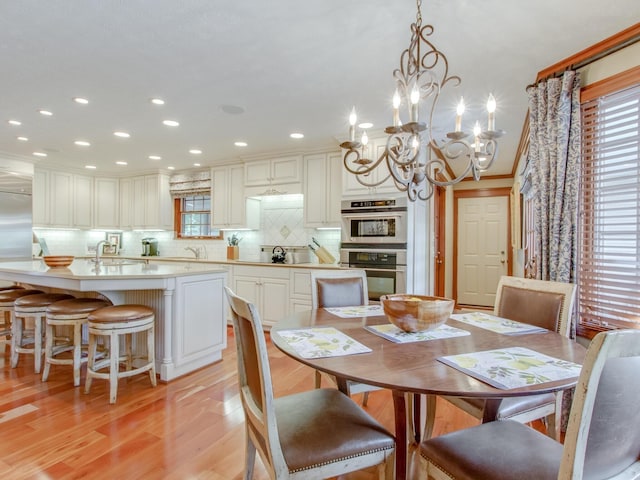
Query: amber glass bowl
column 58, row 260
column 415, row 313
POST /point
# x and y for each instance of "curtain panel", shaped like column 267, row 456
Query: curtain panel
column 554, row 155
column 188, row 184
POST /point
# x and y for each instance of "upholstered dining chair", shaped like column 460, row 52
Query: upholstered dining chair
column 602, row 439
column 340, row 288
column 536, row 302
column 316, row 434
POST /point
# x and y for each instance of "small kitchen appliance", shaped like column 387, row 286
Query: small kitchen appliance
column 150, row 247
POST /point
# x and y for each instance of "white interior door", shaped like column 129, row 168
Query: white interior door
column 482, row 248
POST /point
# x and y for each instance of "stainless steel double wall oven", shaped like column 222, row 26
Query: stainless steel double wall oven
column 374, row 237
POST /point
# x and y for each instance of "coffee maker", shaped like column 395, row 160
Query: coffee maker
column 150, row 247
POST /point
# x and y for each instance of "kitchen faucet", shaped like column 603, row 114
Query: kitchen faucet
column 195, row 250
column 98, row 249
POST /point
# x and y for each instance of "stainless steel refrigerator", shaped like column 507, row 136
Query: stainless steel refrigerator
column 16, row 236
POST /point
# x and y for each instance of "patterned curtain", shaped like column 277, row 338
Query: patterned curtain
column 554, row 155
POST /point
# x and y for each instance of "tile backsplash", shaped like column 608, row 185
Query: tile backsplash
column 281, row 223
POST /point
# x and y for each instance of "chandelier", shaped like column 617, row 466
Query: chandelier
column 413, row 157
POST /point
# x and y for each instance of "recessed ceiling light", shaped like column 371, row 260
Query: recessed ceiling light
column 171, row 168
column 121, row 134
column 14, row 122
column 80, row 100
column 46, row 113
column 82, row 143
column 171, row 123
column 157, row 101
column 40, row 154
column 297, row 135
column 90, row 167
column 366, row 125
column 195, row 151
column 155, row 157
column 120, row 162
column 196, row 164
column 23, row 139
column 240, row 144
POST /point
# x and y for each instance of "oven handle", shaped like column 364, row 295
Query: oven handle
column 379, row 215
column 386, row 270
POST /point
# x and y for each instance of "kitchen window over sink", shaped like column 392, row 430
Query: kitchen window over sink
column 191, row 192
column 193, row 217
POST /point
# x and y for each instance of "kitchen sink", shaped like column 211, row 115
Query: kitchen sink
column 118, row 262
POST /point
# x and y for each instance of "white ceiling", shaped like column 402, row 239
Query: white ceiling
column 292, row 65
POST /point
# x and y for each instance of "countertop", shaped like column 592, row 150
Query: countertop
column 84, row 268
column 204, row 261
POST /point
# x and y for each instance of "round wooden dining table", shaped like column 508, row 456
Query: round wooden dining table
column 414, row 368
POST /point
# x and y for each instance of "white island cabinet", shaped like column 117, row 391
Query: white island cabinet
column 188, row 300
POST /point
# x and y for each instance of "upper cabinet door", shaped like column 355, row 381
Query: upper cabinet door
column 274, row 171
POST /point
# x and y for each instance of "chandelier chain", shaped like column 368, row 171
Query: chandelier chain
column 419, row 12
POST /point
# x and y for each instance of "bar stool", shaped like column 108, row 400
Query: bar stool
column 7, row 299
column 31, row 306
column 113, row 322
column 71, row 313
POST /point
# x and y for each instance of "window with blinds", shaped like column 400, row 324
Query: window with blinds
column 609, row 254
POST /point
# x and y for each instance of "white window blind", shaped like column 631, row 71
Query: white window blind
column 609, row 256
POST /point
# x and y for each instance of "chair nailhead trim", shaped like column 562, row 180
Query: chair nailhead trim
column 361, row 454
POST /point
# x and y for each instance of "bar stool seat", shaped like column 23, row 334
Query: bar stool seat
column 114, row 322
column 7, row 299
column 31, row 306
column 68, row 313
column 11, row 287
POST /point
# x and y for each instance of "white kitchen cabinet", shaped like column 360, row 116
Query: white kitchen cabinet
column 300, row 290
column 53, row 199
column 230, row 208
column 267, row 288
column 83, row 200
column 322, row 190
column 350, row 184
column 274, row 171
column 106, row 209
column 145, row 203
column 40, row 198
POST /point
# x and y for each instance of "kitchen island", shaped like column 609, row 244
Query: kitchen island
column 188, row 299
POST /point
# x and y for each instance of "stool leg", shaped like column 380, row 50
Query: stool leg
column 16, row 340
column 151, row 355
column 48, row 349
column 128, row 340
column 77, row 353
column 91, row 361
column 114, row 363
column 37, row 343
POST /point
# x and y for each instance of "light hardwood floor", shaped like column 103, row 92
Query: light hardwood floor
column 191, row 428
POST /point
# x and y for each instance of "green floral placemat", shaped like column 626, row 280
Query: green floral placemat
column 393, row 333
column 513, row 367
column 497, row 324
column 322, row 342
column 356, row 311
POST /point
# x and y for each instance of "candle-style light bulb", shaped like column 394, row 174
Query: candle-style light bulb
column 396, row 106
column 476, row 133
column 353, row 118
column 415, row 100
column 459, row 112
column 491, row 108
column 364, row 140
